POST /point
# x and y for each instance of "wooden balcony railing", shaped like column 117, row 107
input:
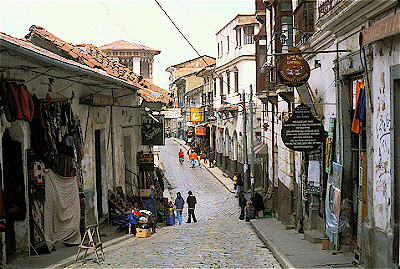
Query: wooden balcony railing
column 326, row 6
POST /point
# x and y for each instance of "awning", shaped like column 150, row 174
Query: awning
column 260, row 151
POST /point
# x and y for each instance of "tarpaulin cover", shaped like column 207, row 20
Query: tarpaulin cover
column 61, row 209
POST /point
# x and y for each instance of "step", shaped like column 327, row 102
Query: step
column 313, row 236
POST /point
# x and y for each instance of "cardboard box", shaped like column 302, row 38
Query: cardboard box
column 143, row 232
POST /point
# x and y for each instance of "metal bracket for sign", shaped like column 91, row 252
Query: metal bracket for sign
column 309, row 52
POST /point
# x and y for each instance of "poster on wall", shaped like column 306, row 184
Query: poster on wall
column 329, row 143
column 332, row 203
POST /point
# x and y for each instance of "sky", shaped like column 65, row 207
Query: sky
column 142, row 22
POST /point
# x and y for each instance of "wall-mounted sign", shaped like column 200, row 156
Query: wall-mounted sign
column 293, row 70
column 146, row 161
column 196, row 114
column 302, row 131
column 385, row 28
column 153, row 131
column 200, row 130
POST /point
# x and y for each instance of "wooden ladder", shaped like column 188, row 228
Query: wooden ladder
column 94, row 242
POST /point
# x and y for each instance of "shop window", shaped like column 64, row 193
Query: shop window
column 248, row 35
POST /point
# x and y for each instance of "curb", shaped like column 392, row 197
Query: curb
column 282, row 258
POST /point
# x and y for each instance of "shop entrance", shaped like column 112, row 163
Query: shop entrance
column 14, row 190
column 100, row 169
column 359, row 157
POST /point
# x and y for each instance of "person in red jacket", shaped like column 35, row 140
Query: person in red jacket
column 180, row 155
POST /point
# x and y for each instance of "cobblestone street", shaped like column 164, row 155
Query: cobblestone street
column 218, row 239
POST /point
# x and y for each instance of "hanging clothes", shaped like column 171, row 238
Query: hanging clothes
column 4, row 97
column 360, row 108
column 61, row 209
column 27, row 106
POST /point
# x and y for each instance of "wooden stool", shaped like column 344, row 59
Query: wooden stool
column 94, row 242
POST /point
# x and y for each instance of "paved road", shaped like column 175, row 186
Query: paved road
column 218, row 239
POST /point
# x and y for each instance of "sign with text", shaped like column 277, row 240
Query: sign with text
column 153, row 131
column 302, row 131
column 146, row 161
column 196, row 114
column 200, row 130
column 293, row 70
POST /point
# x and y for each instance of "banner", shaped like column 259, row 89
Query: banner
column 196, row 114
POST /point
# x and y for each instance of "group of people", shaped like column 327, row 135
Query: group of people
column 179, row 204
column 194, row 157
column 249, row 209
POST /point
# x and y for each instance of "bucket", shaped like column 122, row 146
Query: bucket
column 325, row 243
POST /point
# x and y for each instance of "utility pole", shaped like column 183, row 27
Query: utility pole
column 245, row 143
column 251, row 143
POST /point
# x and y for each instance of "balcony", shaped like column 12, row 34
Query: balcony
column 286, row 93
column 326, row 6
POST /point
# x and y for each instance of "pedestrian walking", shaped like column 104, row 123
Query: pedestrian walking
column 204, row 157
column 179, row 202
column 211, row 158
column 193, row 158
column 239, row 184
column 199, row 159
column 234, row 180
column 250, row 211
column 181, row 156
column 242, row 204
column 191, row 201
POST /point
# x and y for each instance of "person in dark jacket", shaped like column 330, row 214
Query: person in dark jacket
column 239, row 184
column 258, row 203
column 191, row 201
column 242, row 204
column 179, row 202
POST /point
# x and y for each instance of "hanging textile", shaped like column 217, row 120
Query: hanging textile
column 62, row 209
column 360, row 108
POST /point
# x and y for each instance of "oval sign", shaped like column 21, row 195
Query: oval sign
column 293, row 70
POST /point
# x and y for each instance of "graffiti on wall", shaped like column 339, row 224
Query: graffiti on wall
column 382, row 177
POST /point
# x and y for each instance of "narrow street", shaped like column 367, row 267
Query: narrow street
column 218, row 239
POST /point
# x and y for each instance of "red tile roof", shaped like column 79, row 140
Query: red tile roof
column 126, row 45
column 91, row 56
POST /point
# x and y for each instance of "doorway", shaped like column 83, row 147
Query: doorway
column 100, row 170
column 14, row 189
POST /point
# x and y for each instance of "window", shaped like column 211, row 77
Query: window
column 236, row 78
column 219, row 52
column 222, row 51
column 145, row 69
column 215, row 87
column 228, row 81
column 248, row 35
column 122, row 53
column 221, row 86
column 108, row 53
column 136, row 53
column 129, row 53
column 239, row 37
column 227, row 42
column 115, row 53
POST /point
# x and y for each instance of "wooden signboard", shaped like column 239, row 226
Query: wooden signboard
column 293, row 70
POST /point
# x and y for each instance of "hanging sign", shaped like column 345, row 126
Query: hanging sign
column 153, row 130
column 200, row 130
column 196, row 114
column 146, row 161
column 302, row 131
column 293, row 70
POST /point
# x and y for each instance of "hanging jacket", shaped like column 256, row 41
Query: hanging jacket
column 14, row 101
column 5, row 100
column 27, row 106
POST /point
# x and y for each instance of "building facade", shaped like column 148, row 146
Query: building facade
column 353, row 54
column 137, row 58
